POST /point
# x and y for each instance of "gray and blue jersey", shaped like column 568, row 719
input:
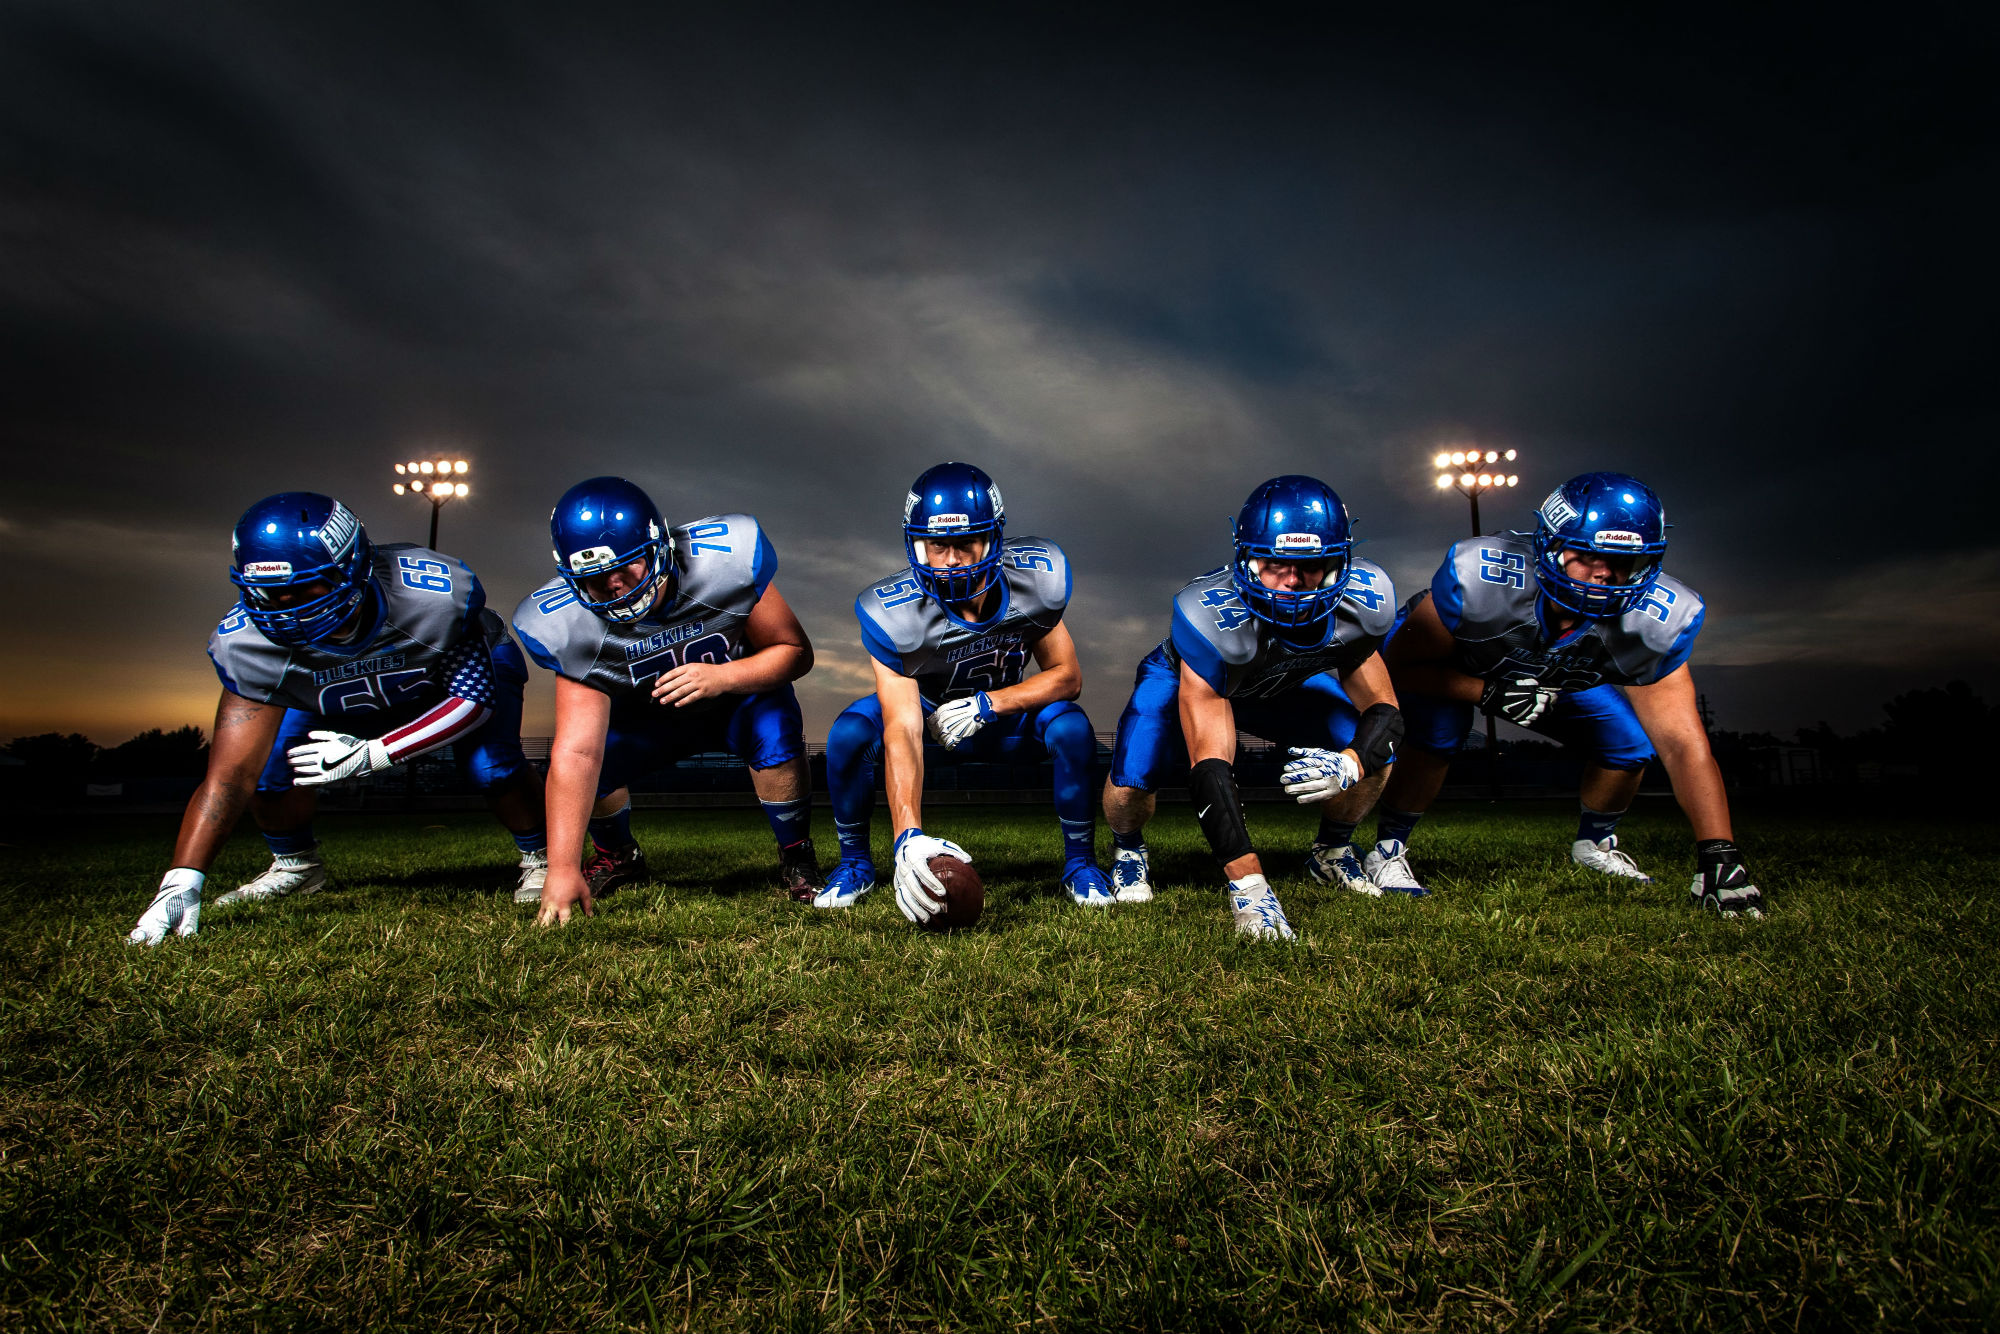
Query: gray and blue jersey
column 725, row 562
column 913, row 634
column 1242, row 656
column 1487, row 595
column 431, row 636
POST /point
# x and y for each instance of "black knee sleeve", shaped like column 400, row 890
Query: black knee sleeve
column 1377, row 736
column 1213, row 787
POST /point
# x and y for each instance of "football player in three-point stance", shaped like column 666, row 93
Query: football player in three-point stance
column 1546, row 631
column 665, row 643
column 341, row 659
column 950, row 636
column 1258, row 644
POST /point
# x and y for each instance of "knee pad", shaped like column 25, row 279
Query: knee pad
column 1068, row 735
column 852, row 736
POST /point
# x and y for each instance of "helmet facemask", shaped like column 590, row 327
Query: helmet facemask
column 283, row 556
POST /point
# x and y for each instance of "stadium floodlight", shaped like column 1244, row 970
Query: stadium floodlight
column 1474, row 484
column 436, row 492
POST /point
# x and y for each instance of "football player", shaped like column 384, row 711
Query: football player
column 1574, row 633
column 1282, row 642
column 665, row 642
column 344, row 658
column 950, row 636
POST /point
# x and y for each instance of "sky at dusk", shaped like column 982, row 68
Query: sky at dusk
column 782, row 261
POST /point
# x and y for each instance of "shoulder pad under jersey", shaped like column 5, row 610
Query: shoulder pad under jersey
column 558, row 632
column 1656, row 637
column 725, row 562
column 1212, row 629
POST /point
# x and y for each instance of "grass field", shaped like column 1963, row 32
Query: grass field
column 1536, row 1100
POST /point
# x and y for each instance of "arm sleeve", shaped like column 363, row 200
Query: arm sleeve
column 467, row 673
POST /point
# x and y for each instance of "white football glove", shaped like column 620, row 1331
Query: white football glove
column 1316, row 774
column 919, row 893
column 1520, row 700
column 331, row 756
column 176, row 907
column 951, row 724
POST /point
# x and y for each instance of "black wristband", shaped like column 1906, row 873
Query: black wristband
column 1714, row 853
column 1212, row 785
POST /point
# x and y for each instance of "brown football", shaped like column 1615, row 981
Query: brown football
column 964, row 895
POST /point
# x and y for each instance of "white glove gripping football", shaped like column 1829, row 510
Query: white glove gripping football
column 950, row 725
column 1520, row 700
column 1315, row 774
column 331, row 756
column 176, row 907
column 918, row 892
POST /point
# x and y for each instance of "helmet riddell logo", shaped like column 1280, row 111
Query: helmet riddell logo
column 945, row 522
column 1305, row 543
column 1619, row 539
column 268, row 569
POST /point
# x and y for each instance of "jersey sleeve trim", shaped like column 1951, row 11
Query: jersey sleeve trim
column 875, row 641
column 1683, row 647
column 1447, row 594
column 763, row 563
column 543, row 658
column 1197, row 652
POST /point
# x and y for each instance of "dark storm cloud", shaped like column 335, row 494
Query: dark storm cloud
column 782, row 265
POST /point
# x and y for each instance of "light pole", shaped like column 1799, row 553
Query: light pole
column 1471, row 471
column 431, row 480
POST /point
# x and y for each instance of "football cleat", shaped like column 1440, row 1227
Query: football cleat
column 1088, row 886
column 1605, row 856
column 534, row 871
column 1388, row 866
column 1130, row 880
column 852, row 878
column 1256, row 910
column 1331, row 865
column 798, row 872
column 289, row 873
column 608, row 872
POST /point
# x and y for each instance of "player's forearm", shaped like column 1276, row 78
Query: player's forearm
column 903, row 769
column 1698, row 787
column 571, row 788
column 767, row 668
column 210, row 816
column 1210, row 730
column 1045, row 687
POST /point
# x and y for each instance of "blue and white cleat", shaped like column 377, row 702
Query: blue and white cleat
column 1088, row 885
column 1129, row 878
column 1603, row 855
column 1388, row 866
column 1256, row 910
column 852, row 878
column 1331, row 865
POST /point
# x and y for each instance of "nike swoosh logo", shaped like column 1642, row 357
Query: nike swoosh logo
column 1204, row 810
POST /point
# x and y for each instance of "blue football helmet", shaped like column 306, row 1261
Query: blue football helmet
column 604, row 524
column 1294, row 519
column 1611, row 514
column 954, row 500
column 302, row 566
